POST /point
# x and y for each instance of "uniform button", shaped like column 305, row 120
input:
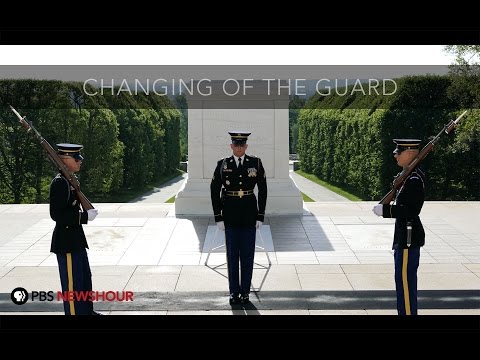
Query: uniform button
column 240, row 175
column 66, row 227
column 240, row 183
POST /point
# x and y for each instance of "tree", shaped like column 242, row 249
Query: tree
column 465, row 91
column 465, row 54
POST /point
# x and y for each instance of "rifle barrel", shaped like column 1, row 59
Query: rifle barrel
column 422, row 155
column 53, row 157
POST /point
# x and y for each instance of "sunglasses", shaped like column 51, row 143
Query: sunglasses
column 76, row 160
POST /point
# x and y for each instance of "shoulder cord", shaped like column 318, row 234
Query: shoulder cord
column 221, row 172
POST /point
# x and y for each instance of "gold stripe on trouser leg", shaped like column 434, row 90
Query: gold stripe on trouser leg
column 70, row 282
column 406, row 294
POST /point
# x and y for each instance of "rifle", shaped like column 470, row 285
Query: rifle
column 55, row 159
column 401, row 177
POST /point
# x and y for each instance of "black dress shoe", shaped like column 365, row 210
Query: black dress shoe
column 93, row 312
column 244, row 299
column 234, row 299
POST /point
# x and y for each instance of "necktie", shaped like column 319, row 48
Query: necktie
column 239, row 163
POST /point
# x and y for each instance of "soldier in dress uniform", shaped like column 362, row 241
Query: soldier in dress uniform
column 238, row 212
column 68, row 239
column 409, row 234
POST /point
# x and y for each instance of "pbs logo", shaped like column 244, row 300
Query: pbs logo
column 19, row 296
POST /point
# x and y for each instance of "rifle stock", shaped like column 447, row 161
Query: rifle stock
column 387, row 199
column 401, row 177
column 55, row 159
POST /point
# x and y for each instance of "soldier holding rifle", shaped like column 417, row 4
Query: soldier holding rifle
column 68, row 239
column 408, row 194
column 409, row 234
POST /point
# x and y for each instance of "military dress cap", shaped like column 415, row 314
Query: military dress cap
column 72, row 150
column 406, row 144
column 239, row 137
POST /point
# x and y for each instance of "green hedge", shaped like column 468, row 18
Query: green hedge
column 129, row 141
column 347, row 140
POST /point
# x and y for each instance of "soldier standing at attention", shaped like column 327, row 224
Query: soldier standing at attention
column 409, row 234
column 68, row 239
column 238, row 212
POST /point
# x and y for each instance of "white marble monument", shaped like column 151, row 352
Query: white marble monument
column 209, row 120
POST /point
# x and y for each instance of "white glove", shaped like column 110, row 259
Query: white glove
column 378, row 209
column 92, row 214
column 221, row 225
column 259, row 225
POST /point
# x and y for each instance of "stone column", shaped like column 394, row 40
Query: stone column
column 209, row 120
